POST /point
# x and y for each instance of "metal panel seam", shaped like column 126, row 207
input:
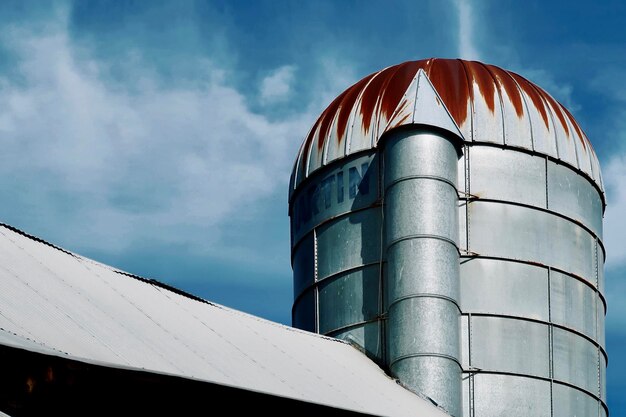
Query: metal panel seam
column 468, row 192
column 417, row 80
column 557, row 161
column 426, row 354
column 342, row 272
column 381, row 293
column 422, row 236
column 530, row 120
column 547, row 185
column 315, row 288
column 328, row 220
column 425, row 295
column 550, row 337
column 415, row 177
column 595, row 252
column 536, row 377
column 472, row 255
column 542, row 322
column 473, row 373
column 595, row 301
column 571, row 131
column 353, row 325
column 470, row 87
column 548, row 211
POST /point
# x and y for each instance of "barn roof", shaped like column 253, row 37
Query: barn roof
column 58, row 303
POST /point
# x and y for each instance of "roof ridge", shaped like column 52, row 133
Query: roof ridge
column 146, row 280
column 36, row 239
column 164, row 286
column 168, row 287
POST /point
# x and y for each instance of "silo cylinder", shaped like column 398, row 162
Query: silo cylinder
column 421, row 244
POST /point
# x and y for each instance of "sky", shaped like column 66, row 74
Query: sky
column 159, row 136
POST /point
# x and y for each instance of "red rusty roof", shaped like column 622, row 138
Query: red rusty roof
column 486, row 103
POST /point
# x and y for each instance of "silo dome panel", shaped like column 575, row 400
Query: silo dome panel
column 486, row 104
column 487, row 123
column 517, row 126
column 540, row 120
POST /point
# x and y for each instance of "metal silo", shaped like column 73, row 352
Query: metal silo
column 447, row 219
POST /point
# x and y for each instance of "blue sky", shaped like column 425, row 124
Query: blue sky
column 158, row 136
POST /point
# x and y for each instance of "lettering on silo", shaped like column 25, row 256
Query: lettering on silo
column 318, row 197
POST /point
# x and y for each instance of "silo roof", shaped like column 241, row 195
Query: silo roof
column 61, row 304
column 476, row 101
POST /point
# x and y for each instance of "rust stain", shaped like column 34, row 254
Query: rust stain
column 578, row 129
column 479, row 75
column 382, row 95
column 327, row 119
column 556, row 109
column 399, row 109
column 371, row 96
column 504, row 80
column 396, row 87
column 307, row 146
column 347, row 104
column 449, row 79
column 535, row 96
column 399, row 122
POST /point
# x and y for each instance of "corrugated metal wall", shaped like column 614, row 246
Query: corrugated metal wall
column 422, row 253
column 531, row 287
column 337, row 254
column 531, row 260
column 531, row 281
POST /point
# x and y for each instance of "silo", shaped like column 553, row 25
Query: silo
column 497, row 311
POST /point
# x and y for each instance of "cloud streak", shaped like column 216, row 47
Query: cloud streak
column 466, row 46
column 614, row 218
column 276, row 87
column 108, row 167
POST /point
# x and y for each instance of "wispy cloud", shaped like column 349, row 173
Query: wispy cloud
column 614, row 167
column 466, row 46
column 276, row 87
column 615, row 216
column 108, row 167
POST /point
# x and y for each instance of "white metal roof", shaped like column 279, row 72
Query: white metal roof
column 59, row 303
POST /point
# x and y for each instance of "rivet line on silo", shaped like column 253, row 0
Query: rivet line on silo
column 382, row 314
column 597, row 297
column 467, row 190
column 527, row 107
column 550, row 338
column 315, row 282
column 472, row 373
column 547, row 188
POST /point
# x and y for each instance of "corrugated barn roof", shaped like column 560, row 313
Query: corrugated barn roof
column 59, row 303
column 484, row 104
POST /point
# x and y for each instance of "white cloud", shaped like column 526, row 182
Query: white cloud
column 276, row 87
column 105, row 167
column 614, row 171
column 604, row 82
column 467, row 49
column 615, row 215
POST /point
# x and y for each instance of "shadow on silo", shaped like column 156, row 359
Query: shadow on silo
column 368, row 216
